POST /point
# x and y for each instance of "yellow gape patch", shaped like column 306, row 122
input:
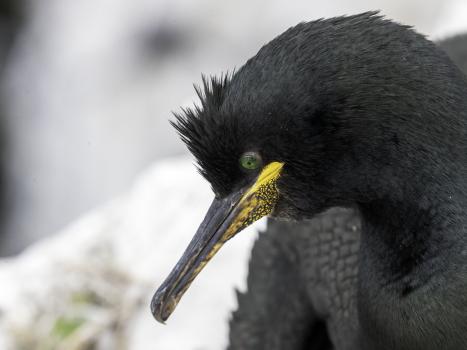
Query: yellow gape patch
column 258, row 201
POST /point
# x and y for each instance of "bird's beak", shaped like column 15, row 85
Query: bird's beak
column 224, row 219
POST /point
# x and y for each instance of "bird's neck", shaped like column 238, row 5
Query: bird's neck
column 400, row 238
column 412, row 267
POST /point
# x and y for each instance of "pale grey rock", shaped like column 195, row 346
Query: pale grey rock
column 99, row 274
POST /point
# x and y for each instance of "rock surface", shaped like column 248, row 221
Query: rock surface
column 91, row 284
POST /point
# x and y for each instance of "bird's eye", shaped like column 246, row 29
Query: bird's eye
column 250, row 160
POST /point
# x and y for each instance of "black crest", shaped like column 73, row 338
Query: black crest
column 209, row 133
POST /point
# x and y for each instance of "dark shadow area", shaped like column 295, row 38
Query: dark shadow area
column 10, row 23
column 456, row 48
column 318, row 338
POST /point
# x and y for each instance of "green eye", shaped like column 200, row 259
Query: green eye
column 250, row 160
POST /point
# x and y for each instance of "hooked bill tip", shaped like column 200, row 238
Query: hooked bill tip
column 161, row 309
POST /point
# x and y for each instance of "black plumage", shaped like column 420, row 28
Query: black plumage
column 364, row 114
column 302, row 278
column 319, row 257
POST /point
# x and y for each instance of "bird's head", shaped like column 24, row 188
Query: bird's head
column 327, row 114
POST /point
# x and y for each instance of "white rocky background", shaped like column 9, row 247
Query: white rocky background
column 90, row 87
column 89, row 286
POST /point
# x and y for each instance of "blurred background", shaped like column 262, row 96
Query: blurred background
column 86, row 91
column 87, row 88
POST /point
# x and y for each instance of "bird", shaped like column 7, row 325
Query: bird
column 349, row 133
column 290, row 246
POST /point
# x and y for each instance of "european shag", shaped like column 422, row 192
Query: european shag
column 353, row 130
